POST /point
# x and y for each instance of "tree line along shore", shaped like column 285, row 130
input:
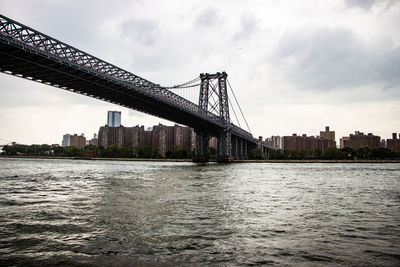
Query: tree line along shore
column 147, row 152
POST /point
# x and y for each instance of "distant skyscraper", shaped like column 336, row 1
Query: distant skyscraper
column 66, row 140
column 114, row 118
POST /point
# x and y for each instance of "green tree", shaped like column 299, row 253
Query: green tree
column 256, row 154
column 276, row 154
column 143, row 151
column 364, row 152
column 72, row 151
column 58, row 151
column 333, row 153
column 349, row 153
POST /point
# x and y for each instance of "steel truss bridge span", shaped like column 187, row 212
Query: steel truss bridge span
column 27, row 53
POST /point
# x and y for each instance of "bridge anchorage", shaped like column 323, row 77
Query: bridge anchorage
column 30, row 54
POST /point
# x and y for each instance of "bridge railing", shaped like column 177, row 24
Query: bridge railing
column 239, row 131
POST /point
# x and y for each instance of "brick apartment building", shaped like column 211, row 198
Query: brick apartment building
column 160, row 137
column 328, row 135
column 313, row 143
column 394, row 143
column 359, row 139
column 304, row 142
column 78, row 141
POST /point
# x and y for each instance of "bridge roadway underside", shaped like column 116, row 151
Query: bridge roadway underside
column 37, row 67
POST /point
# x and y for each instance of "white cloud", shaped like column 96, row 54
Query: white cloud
column 335, row 58
column 368, row 4
column 248, row 27
column 144, row 31
column 208, row 18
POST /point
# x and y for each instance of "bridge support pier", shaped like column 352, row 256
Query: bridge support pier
column 241, row 149
column 225, row 147
column 235, row 147
column 201, row 155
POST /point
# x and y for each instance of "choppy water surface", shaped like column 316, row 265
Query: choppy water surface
column 150, row 213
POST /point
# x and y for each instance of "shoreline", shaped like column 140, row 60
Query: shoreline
column 214, row 160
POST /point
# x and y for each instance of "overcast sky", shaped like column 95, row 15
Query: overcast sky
column 295, row 66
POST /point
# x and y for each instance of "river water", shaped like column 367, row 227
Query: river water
column 76, row 212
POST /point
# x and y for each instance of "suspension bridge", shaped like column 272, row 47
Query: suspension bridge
column 30, row 54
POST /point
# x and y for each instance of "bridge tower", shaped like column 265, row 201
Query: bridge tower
column 224, row 137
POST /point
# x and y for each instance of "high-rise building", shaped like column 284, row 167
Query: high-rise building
column 359, row 139
column 304, row 142
column 122, row 136
column 111, row 136
column 160, row 138
column 328, row 135
column 394, row 143
column 114, row 119
column 183, row 137
column 134, row 136
column 274, row 142
column 66, row 140
column 78, row 141
column 94, row 141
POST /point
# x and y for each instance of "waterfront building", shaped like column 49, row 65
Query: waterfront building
column 184, row 138
column 328, row 135
column 304, row 142
column 274, row 142
column 167, row 138
column 78, row 141
column 394, row 143
column 114, row 119
column 148, row 137
column 160, row 137
column 66, row 141
column 134, row 136
column 94, row 141
column 111, row 136
column 359, row 139
column 159, row 140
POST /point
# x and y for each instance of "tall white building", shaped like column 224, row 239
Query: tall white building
column 114, row 118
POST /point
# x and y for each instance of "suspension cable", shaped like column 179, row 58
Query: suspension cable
column 238, row 105
column 230, row 103
column 184, row 85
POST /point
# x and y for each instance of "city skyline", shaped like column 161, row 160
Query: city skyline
column 328, row 134
column 294, row 67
